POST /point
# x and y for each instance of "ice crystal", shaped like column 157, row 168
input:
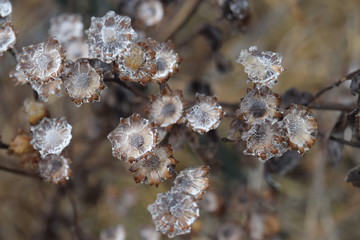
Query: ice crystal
column 7, row 37
column 44, row 90
column 54, row 168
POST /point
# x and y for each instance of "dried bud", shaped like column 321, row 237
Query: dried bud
column 35, row 111
column 54, row 168
column 20, row 145
column 150, row 12
column 51, row 136
column 66, row 27
column 132, row 138
column 174, row 212
column 205, row 115
column 7, row 36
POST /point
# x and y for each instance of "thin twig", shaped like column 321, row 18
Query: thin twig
column 19, row 172
column 343, row 141
column 332, row 107
column 124, row 85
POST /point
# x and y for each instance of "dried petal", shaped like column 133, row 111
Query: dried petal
column 262, row 67
column 35, row 111
column 301, row 126
column 51, row 136
column 83, row 83
column 174, row 212
column 108, row 35
column 54, row 168
column 205, row 115
column 7, row 37
column 150, row 12
column 132, row 138
column 193, row 180
column 66, row 27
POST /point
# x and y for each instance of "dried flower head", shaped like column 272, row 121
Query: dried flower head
column 114, row 233
column 150, row 12
column 82, row 82
column 35, row 111
column 136, row 63
column 108, row 35
column 5, row 8
column 258, row 105
column 301, row 127
column 205, row 115
column 7, row 37
column 76, row 49
column 166, row 109
column 45, row 90
column 155, row 167
column 20, row 144
column 51, row 136
column 174, row 212
column 266, row 140
column 262, row 67
column 66, row 27
column 132, row 138
column 167, row 60
column 55, row 168
column 42, row 62
column 193, row 181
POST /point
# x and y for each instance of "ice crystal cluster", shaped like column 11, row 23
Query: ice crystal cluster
column 268, row 131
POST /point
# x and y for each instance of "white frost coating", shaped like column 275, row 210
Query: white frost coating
column 114, row 233
column 174, row 212
column 54, row 168
column 45, row 90
column 51, row 136
column 5, row 8
column 7, row 37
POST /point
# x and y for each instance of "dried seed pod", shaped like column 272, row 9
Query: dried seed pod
column 44, row 90
column 114, row 233
column 132, row 138
column 5, row 8
column 167, row 60
column 301, row 127
column 150, row 12
column 82, row 82
column 205, row 115
column 108, row 35
column 7, row 36
column 35, row 111
column 155, row 167
column 259, row 105
column 41, row 62
column 193, row 181
column 263, row 67
column 51, row 136
column 166, row 109
column 174, row 212
column 136, row 63
column 66, row 27
column 54, row 168
column 266, row 140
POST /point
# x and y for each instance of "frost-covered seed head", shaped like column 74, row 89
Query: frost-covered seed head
column 35, row 111
column 76, row 49
column 45, row 90
column 42, row 62
column 66, row 27
column 82, row 82
column 7, row 37
column 167, row 60
column 51, row 136
column 193, row 181
column 166, row 109
column 258, row 105
column 136, row 63
column 108, row 35
column 5, row 8
column 155, row 167
column 114, row 233
column 205, row 115
column 266, row 140
column 301, row 127
column 132, row 138
column 54, row 168
column 174, row 212
column 150, row 12
column 263, row 67
column 19, row 77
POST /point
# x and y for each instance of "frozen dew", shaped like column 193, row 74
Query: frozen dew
column 5, row 8
column 263, row 67
column 82, row 82
column 132, row 138
column 301, row 127
column 174, row 212
column 108, row 35
column 66, row 27
column 150, row 12
column 167, row 60
column 193, row 181
column 35, row 111
column 7, row 37
column 155, row 167
column 54, row 168
column 51, row 136
column 41, row 62
column 166, row 109
column 136, row 63
column 45, row 90
column 114, row 233
column 266, row 140
column 205, row 115
column 258, row 105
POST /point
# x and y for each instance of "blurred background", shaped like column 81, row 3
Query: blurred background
column 320, row 43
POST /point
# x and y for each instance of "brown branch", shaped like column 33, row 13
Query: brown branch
column 343, row 141
column 124, row 85
column 19, row 172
